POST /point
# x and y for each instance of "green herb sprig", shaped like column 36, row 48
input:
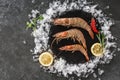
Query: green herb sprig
column 101, row 38
column 33, row 22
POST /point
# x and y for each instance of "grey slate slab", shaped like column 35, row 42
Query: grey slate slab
column 15, row 57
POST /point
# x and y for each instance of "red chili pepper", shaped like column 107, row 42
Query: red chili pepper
column 93, row 25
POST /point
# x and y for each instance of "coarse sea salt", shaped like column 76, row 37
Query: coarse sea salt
column 24, row 42
column 60, row 65
column 100, row 71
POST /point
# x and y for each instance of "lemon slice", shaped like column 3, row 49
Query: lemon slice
column 46, row 59
column 97, row 49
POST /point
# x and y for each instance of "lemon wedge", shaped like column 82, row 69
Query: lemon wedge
column 46, row 59
column 97, row 49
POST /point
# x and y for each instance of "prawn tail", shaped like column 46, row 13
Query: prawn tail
column 91, row 33
column 85, row 47
column 84, row 52
column 87, row 58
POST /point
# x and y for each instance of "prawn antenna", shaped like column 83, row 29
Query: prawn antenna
column 52, row 43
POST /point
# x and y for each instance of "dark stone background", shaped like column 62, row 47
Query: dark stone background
column 15, row 57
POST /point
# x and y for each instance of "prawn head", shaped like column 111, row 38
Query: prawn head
column 58, row 37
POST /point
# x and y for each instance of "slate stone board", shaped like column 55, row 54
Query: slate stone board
column 15, row 57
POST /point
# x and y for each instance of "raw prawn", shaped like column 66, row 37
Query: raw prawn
column 74, row 22
column 75, row 34
column 75, row 47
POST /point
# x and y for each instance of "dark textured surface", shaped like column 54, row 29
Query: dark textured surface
column 15, row 58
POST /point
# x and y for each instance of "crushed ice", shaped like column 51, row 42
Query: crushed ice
column 60, row 65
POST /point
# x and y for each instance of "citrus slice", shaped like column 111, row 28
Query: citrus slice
column 97, row 49
column 46, row 59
